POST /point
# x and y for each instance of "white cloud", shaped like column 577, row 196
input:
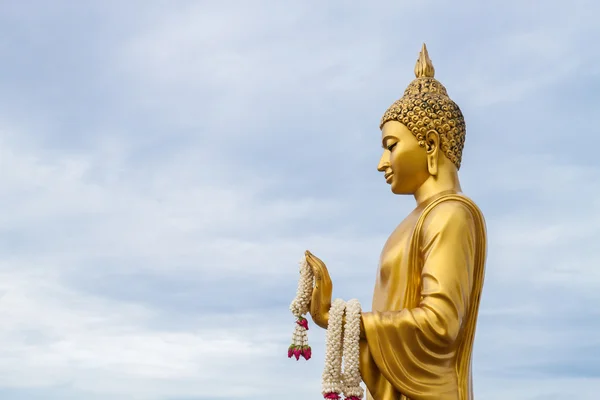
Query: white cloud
column 53, row 335
column 538, row 389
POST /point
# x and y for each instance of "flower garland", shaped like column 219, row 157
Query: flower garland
column 299, row 308
column 332, row 373
column 342, row 342
column 351, row 377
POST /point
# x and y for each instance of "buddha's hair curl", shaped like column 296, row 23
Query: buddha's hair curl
column 426, row 106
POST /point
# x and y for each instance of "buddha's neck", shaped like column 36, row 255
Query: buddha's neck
column 445, row 180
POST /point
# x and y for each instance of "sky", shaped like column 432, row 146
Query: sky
column 164, row 165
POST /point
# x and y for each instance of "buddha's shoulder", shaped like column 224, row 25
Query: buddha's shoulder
column 452, row 211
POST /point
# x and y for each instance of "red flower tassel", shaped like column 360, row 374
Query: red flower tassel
column 332, row 396
column 306, row 352
column 291, row 351
column 303, row 322
column 297, row 352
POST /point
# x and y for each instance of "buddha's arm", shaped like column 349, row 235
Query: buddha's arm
column 410, row 344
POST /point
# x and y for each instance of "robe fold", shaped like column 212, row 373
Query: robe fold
column 418, row 339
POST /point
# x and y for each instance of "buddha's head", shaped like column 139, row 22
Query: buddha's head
column 423, row 133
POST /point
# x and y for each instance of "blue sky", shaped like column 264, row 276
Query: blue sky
column 163, row 165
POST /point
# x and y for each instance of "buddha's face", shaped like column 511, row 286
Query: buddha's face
column 403, row 162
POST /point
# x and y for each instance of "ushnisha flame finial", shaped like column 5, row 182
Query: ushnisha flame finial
column 424, row 67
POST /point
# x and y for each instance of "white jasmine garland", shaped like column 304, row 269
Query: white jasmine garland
column 342, row 342
column 332, row 373
column 351, row 352
column 299, row 308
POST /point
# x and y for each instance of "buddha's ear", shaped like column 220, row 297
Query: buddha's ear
column 432, row 146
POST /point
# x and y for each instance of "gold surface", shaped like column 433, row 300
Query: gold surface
column 417, row 341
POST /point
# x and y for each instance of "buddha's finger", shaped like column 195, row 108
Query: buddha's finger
column 319, row 269
column 321, row 296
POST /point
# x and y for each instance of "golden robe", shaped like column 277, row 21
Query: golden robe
column 418, row 339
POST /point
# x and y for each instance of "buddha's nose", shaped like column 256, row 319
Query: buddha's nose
column 383, row 163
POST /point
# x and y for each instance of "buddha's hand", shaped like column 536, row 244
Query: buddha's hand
column 320, row 302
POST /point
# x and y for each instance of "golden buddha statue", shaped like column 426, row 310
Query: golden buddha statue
column 417, row 341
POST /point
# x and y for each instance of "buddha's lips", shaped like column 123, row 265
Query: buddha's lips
column 388, row 177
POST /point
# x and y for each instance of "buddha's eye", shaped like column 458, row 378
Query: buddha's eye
column 391, row 146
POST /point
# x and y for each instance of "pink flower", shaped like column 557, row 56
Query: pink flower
column 307, row 352
column 290, row 351
column 353, row 398
column 303, row 322
column 297, row 353
column 332, row 396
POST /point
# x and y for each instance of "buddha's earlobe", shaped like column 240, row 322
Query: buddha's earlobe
column 432, row 145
